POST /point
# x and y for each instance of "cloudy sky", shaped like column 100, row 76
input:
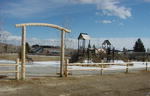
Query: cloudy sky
column 117, row 20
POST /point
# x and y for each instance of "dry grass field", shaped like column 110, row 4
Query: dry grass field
column 13, row 56
column 133, row 84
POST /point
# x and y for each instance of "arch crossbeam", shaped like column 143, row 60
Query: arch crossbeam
column 43, row 24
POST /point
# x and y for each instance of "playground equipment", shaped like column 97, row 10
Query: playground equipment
column 23, row 61
column 82, row 43
column 106, row 44
column 106, row 53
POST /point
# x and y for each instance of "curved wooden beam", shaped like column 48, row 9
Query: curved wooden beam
column 43, row 24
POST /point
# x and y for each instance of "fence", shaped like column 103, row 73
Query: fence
column 16, row 71
column 100, row 66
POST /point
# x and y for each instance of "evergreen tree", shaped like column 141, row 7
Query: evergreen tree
column 27, row 48
column 89, row 45
column 27, row 51
column 124, row 50
column 94, row 47
column 139, row 46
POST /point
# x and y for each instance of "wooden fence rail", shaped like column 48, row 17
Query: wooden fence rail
column 100, row 66
column 16, row 71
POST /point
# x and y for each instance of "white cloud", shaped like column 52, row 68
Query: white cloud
column 105, row 21
column 117, row 42
column 4, row 35
column 33, row 41
column 109, row 7
column 14, row 38
column 7, row 37
column 27, row 8
column 147, row 0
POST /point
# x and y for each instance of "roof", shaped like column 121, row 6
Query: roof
column 84, row 36
column 106, row 42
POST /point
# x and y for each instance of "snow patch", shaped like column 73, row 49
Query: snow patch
column 57, row 64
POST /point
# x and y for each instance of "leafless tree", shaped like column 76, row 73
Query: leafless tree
column 4, row 36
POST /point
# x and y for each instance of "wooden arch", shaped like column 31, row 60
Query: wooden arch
column 23, row 61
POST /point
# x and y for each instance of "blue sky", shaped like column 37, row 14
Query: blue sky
column 98, row 18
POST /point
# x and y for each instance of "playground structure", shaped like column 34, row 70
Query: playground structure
column 106, row 52
column 23, row 44
column 82, row 43
column 106, row 44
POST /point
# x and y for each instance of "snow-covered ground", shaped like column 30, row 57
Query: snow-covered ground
column 44, row 63
column 7, row 61
column 57, row 64
column 51, row 68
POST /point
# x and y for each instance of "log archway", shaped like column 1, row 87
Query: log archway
column 23, row 41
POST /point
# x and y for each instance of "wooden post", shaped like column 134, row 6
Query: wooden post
column 62, row 53
column 66, row 68
column 63, row 30
column 78, row 47
column 17, row 69
column 127, row 68
column 23, row 59
column 146, row 66
column 101, row 69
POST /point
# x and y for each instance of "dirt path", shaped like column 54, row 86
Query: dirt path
column 133, row 84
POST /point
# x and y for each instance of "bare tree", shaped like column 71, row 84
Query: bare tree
column 4, row 36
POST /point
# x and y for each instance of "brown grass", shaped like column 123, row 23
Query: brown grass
column 136, row 84
column 14, row 56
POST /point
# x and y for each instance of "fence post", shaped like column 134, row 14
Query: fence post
column 101, row 69
column 66, row 68
column 146, row 66
column 17, row 69
column 127, row 68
